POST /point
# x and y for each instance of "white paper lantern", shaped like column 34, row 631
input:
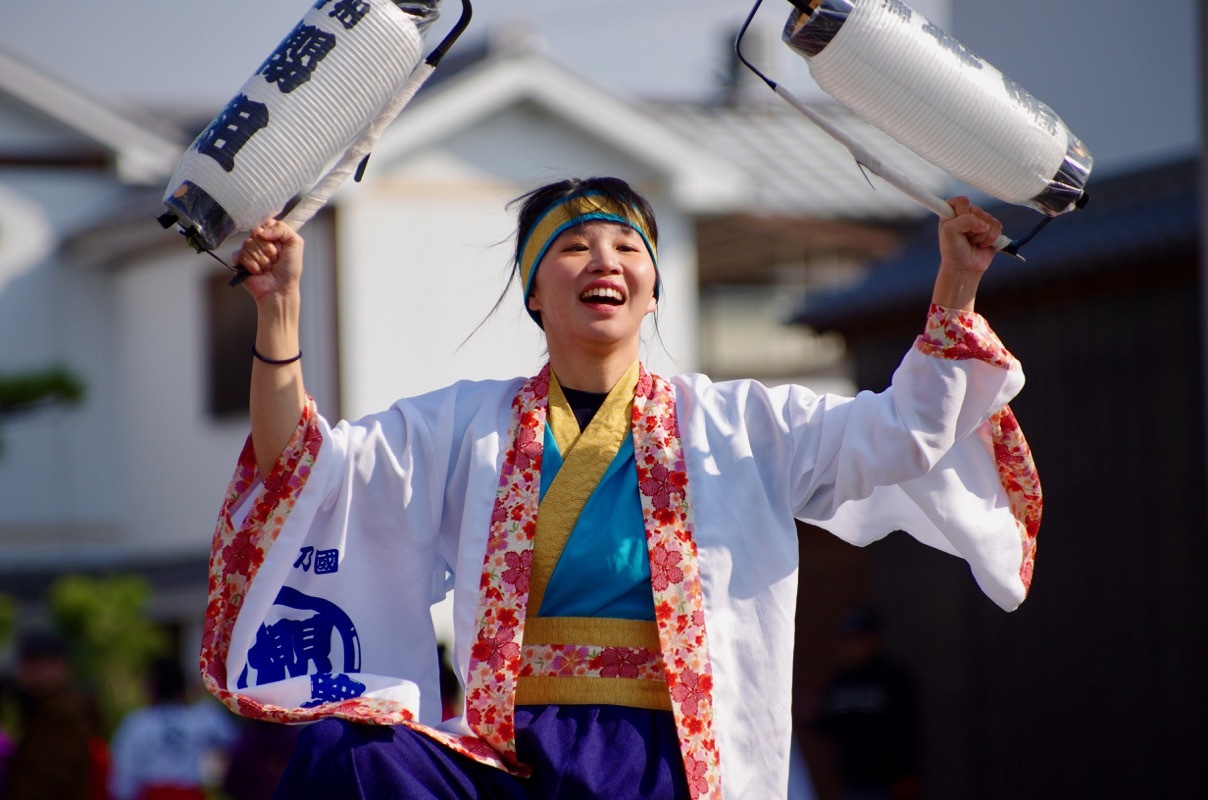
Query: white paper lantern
column 891, row 66
column 304, row 106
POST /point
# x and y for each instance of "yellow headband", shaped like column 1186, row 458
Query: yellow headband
column 575, row 211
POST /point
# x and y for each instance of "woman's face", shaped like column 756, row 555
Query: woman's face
column 594, row 286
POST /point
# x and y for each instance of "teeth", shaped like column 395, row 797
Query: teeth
column 602, row 293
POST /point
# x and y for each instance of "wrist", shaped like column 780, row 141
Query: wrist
column 277, row 330
column 285, row 302
column 278, row 312
column 956, row 289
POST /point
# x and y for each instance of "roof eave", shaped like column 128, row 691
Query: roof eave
column 142, row 153
column 699, row 181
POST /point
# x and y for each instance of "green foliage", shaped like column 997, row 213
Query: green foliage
column 8, row 619
column 8, row 624
column 29, row 391
column 111, row 639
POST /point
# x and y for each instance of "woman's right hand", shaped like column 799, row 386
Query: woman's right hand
column 272, row 254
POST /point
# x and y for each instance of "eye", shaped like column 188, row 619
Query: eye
column 570, row 244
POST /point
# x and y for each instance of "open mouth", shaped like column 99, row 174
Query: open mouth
column 602, row 295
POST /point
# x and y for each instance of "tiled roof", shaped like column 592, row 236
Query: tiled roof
column 1131, row 219
column 798, row 169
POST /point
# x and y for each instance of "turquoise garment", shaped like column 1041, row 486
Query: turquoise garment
column 604, row 571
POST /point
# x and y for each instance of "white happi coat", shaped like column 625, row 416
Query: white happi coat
column 405, row 498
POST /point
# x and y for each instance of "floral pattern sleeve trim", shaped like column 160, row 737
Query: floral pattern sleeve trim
column 237, row 555
column 1017, row 474
column 959, row 335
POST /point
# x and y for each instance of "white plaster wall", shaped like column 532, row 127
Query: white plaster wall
column 177, row 458
column 138, row 470
column 418, row 271
column 425, row 251
column 53, row 315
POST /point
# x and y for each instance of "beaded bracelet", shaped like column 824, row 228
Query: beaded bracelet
column 275, row 362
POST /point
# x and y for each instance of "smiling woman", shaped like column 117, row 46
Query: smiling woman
column 621, row 547
column 594, row 244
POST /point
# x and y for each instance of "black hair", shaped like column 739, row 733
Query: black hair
column 43, row 645
column 534, row 203
column 167, row 680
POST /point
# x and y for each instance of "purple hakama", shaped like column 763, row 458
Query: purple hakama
column 575, row 751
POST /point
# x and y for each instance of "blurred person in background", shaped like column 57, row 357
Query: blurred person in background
column 257, row 758
column 51, row 760
column 161, row 752
column 869, row 713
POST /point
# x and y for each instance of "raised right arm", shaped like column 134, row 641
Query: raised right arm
column 272, row 253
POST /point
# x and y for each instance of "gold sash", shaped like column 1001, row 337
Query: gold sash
column 586, row 456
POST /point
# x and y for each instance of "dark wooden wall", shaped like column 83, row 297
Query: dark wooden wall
column 1098, row 685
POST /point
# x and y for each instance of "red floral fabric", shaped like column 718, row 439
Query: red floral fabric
column 959, row 335
column 592, row 661
column 499, row 656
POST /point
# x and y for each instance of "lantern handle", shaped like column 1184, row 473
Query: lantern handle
column 862, row 155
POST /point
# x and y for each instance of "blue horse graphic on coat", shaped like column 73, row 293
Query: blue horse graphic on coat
column 300, row 645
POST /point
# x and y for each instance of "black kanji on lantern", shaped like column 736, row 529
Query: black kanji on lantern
column 231, row 129
column 292, row 63
column 349, row 12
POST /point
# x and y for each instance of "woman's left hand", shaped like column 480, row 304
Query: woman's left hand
column 966, row 249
